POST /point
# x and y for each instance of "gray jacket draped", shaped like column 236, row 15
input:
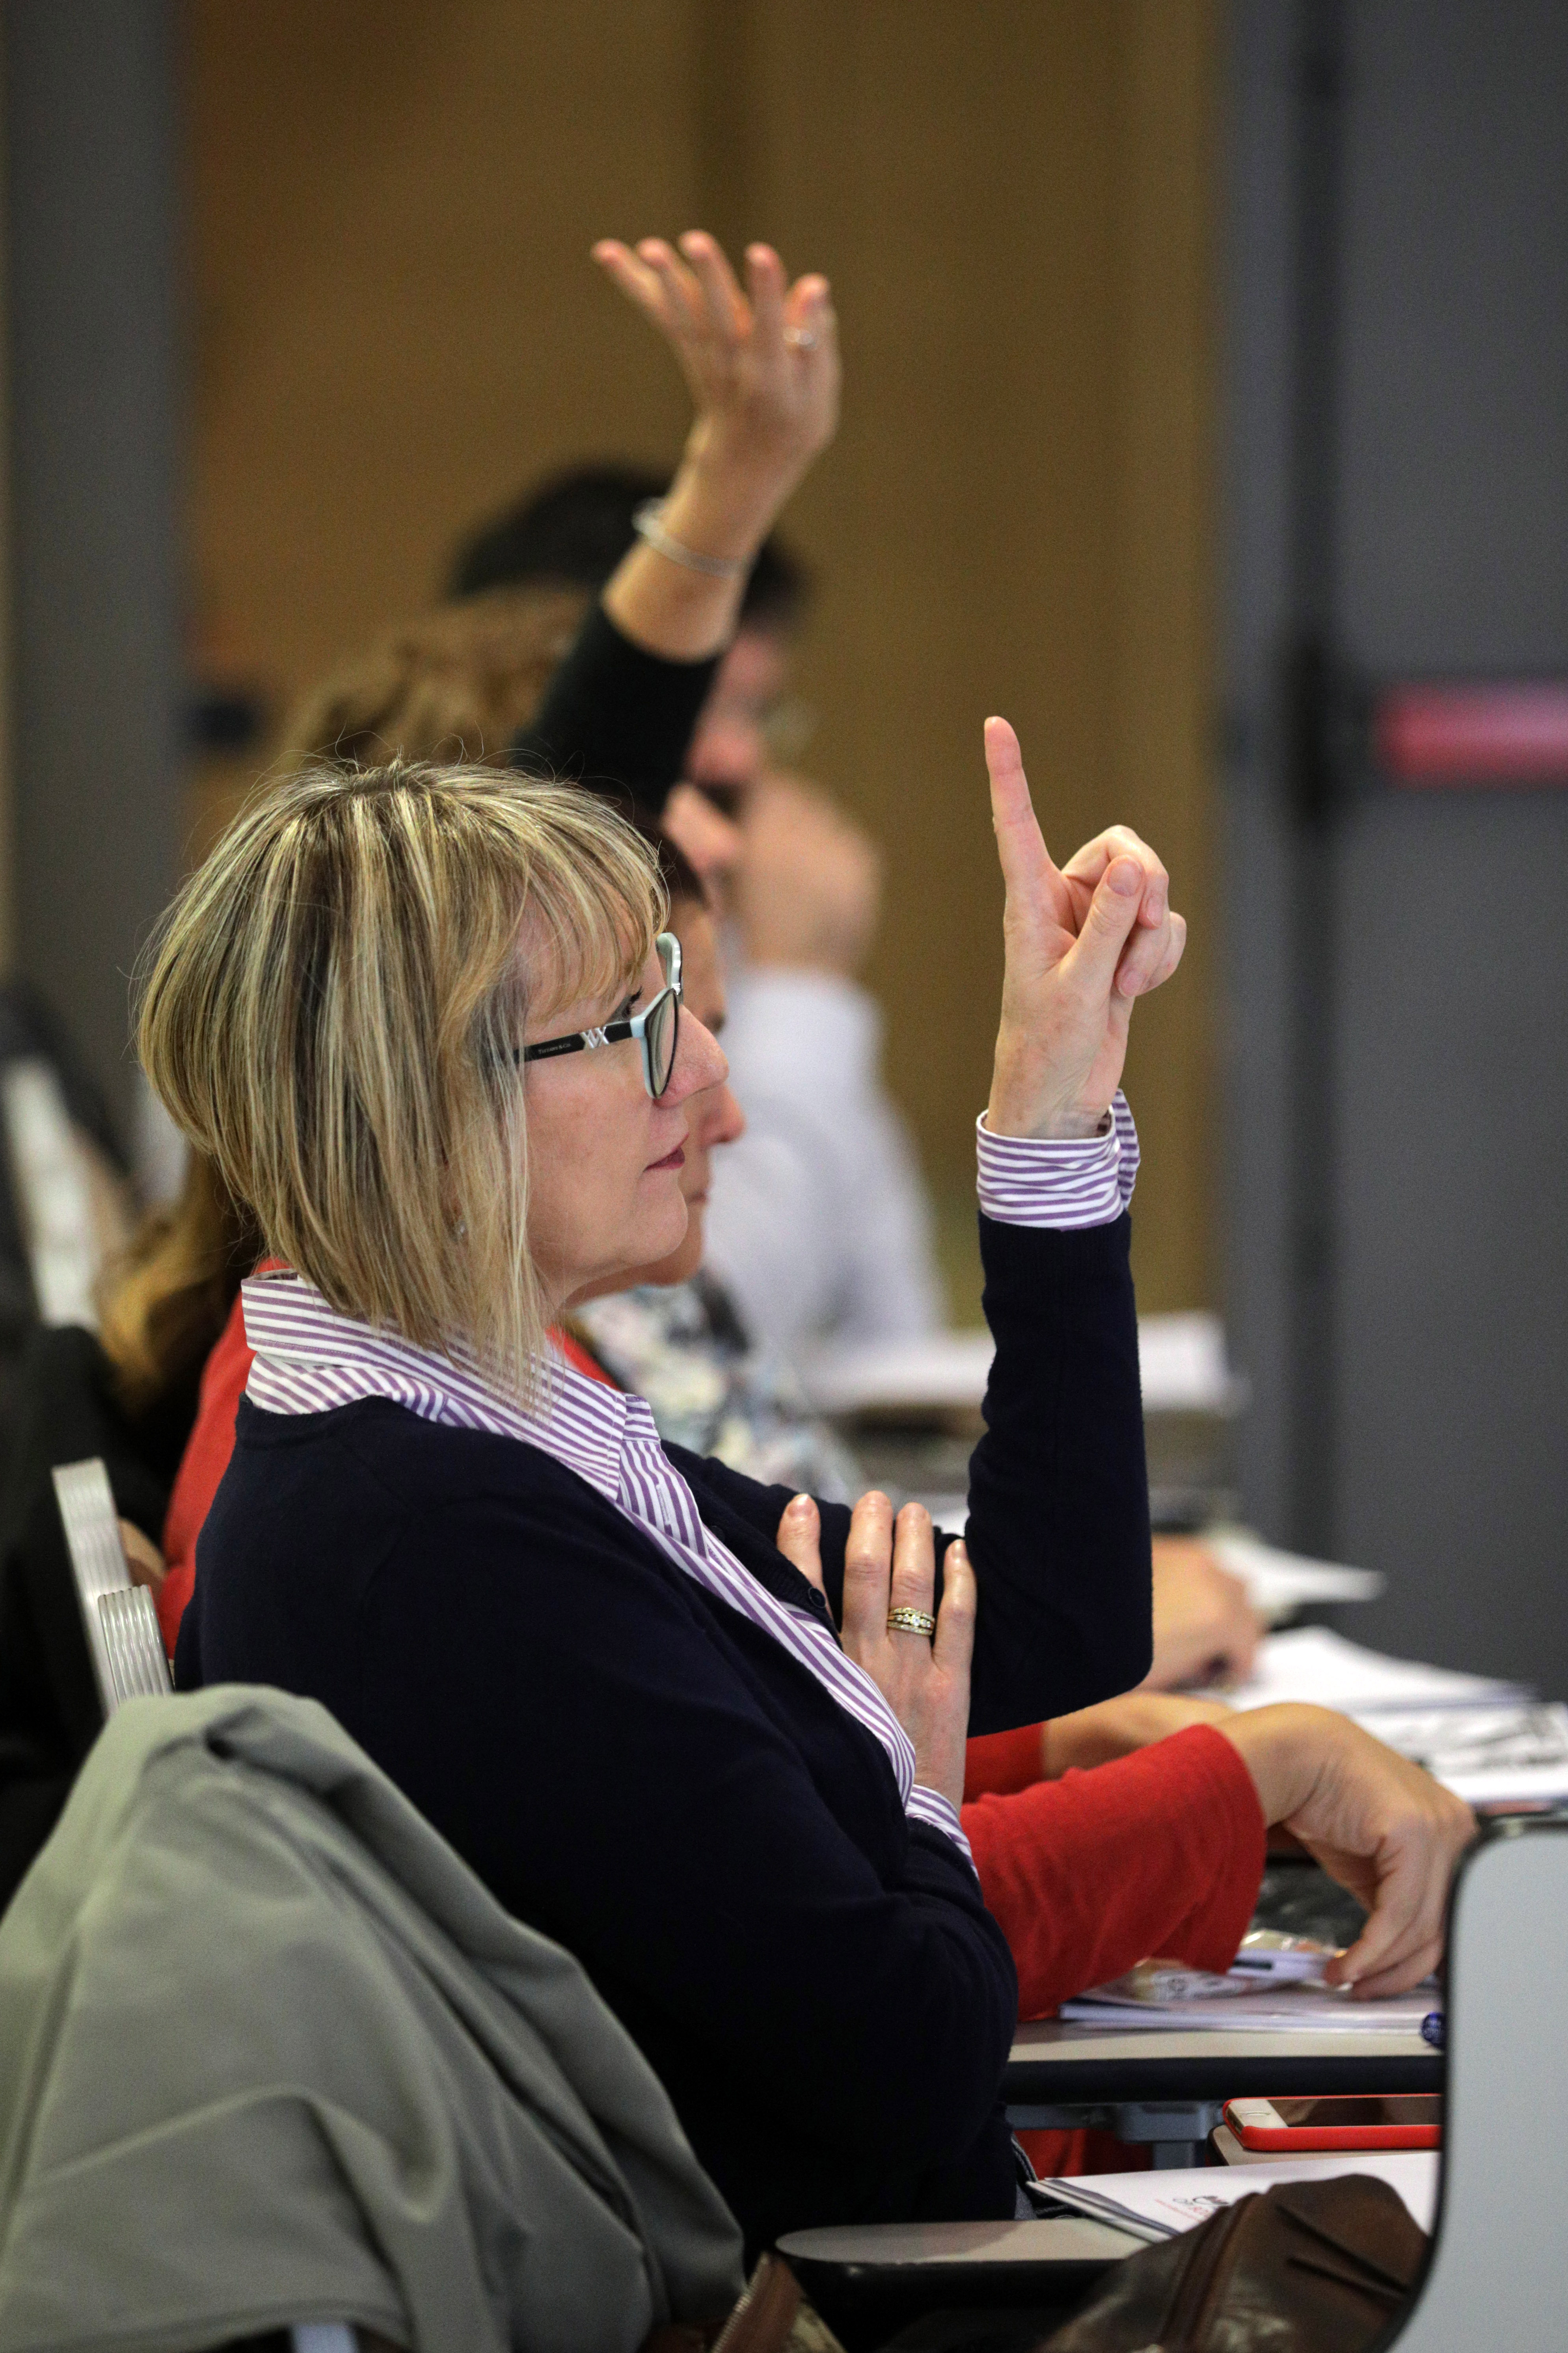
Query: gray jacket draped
column 270, row 2052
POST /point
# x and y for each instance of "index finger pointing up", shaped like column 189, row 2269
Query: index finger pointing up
column 1020, row 844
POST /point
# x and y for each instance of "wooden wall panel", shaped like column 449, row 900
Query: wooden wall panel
column 1014, row 201
column 396, row 320
column 396, row 326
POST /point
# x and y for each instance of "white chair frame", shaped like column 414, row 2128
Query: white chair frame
column 118, row 1617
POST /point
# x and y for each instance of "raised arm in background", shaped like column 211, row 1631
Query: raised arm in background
column 762, row 369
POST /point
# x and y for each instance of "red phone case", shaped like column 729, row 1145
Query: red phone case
column 1299, row 2140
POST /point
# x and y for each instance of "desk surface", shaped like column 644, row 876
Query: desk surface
column 1057, row 2061
column 866, row 2280
column 926, row 2247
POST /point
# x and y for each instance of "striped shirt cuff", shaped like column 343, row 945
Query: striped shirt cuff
column 929, row 1807
column 1025, row 1180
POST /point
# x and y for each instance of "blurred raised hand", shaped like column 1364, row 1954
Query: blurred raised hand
column 808, row 885
column 762, row 370
column 762, row 364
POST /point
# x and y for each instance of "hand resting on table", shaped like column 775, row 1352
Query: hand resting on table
column 1380, row 1826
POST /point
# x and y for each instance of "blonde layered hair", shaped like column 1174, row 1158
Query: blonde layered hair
column 330, row 1011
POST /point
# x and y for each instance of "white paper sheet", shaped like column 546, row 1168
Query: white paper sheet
column 1278, row 1582
column 1181, row 1357
column 1185, row 2196
column 1311, row 1663
column 1488, row 1756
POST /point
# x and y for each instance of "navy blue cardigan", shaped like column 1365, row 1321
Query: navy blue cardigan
column 643, row 1774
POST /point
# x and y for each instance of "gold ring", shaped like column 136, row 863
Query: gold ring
column 911, row 1621
column 801, row 337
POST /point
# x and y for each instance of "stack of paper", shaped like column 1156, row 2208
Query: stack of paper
column 1159, row 2205
column 1488, row 1756
column 1286, row 2008
column 1279, row 1582
column 1488, row 1741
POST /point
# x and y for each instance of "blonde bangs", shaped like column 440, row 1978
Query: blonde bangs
column 330, row 1011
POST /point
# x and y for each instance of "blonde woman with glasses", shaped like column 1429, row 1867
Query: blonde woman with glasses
column 427, row 1024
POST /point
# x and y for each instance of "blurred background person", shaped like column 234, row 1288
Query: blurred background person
column 818, row 1220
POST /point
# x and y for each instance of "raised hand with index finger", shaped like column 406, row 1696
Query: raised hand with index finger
column 1082, row 942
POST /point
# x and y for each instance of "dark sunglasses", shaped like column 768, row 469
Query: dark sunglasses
column 656, row 1028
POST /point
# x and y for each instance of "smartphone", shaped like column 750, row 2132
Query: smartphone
column 1399, row 2120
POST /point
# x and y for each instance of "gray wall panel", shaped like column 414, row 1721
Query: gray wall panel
column 90, row 163
column 1452, row 1099
column 1448, row 1102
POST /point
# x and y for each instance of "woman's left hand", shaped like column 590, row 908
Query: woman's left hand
column 1081, row 943
column 891, row 1565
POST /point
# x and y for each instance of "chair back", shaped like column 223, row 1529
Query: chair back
column 53, row 1193
column 118, row 1617
column 1496, row 2274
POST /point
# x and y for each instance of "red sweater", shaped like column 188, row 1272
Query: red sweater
column 1158, row 1852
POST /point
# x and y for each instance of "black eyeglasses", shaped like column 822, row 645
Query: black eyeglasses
column 656, row 1028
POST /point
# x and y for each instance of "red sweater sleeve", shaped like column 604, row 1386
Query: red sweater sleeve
column 999, row 1763
column 1160, row 1852
column 202, row 1466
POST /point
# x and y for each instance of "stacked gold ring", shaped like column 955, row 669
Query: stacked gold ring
column 911, row 1621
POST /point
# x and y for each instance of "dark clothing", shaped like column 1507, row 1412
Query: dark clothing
column 617, row 719
column 50, row 1709
column 647, row 1777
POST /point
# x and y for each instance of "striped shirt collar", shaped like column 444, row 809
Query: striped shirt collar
column 311, row 1357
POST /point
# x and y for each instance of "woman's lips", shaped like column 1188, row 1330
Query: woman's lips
column 676, row 1159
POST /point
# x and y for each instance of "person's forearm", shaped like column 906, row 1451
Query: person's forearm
column 1160, row 1852
column 716, row 509
column 617, row 719
column 620, row 711
column 1058, row 1525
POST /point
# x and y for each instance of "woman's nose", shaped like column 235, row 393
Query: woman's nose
column 722, row 1120
column 698, row 1062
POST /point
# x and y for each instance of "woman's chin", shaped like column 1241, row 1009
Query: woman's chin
column 664, row 1230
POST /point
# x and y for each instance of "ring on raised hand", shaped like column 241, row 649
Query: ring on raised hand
column 911, row 1621
column 801, row 337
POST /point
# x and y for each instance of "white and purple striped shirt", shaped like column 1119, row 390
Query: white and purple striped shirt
column 1026, row 1182
column 309, row 1359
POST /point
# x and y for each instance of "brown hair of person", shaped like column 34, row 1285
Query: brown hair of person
column 169, row 1296
column 458, row 683
column 331, row 1009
